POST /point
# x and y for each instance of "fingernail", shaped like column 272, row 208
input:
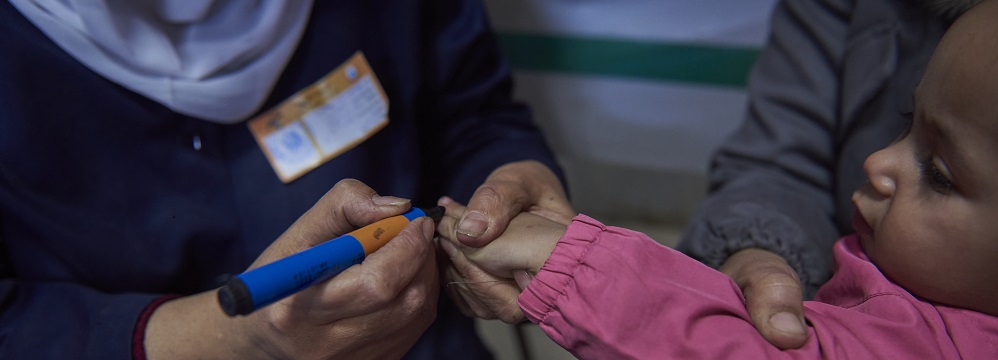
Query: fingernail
column 787, row 322
column 388, row 200
column 522, row 278
column 449, row 248
column 473, row 224
column 429, row 228
column 444, row 200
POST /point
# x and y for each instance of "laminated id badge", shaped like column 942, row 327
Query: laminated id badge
column 331, row 116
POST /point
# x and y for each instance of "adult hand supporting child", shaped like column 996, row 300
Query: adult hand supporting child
column 509, row 190
column 772, row 295
column 523, row 186
column 490, row 291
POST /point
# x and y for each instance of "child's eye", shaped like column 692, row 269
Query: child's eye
column 933, row 177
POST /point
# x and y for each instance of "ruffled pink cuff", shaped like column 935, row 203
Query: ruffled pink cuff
column 544, row 291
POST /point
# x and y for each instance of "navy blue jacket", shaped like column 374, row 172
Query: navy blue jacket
column 105, row 204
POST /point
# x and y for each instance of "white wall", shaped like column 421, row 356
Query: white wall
column 634, row 145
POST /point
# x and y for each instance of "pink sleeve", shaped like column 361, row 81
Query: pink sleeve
column 613, row 293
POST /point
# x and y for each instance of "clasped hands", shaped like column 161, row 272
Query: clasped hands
column 378, row 309
column 487, row 273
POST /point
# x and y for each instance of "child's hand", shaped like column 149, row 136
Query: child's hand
column 525, row 245
column 491, row 292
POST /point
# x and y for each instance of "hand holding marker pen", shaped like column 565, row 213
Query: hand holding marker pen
column 259, row 287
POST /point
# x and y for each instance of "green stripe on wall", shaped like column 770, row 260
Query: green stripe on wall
column 701, row 64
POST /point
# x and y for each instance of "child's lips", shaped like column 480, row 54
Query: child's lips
column 863, row 228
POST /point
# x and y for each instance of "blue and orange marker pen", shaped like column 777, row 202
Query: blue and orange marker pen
column 259, row 287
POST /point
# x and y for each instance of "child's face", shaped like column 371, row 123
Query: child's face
column 928, row 217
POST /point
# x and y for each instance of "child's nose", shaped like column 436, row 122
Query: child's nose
column 881, row 169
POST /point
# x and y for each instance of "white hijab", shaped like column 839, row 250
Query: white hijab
column 216, row 60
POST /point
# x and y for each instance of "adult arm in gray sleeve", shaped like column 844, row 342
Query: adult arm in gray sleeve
column 771, row 182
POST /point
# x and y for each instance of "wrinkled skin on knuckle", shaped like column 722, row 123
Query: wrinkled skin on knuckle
column 283, row 318
column 510, row 313
column 420, row 305
column 501, row 192
column 374, row 292
column 499, row 302
column 422, row 295
column 762, row 275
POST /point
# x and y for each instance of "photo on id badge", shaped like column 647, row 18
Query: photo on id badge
column 318, row 123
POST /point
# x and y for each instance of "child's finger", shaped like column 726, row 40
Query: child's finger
column 522, row 278
column 447, row 227
column 454, row 208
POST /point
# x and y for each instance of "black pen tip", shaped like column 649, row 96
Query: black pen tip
column 436, row 213
column 235, row 298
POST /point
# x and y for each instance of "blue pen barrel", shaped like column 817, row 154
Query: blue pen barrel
column 287, row 276
column 259, row 287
